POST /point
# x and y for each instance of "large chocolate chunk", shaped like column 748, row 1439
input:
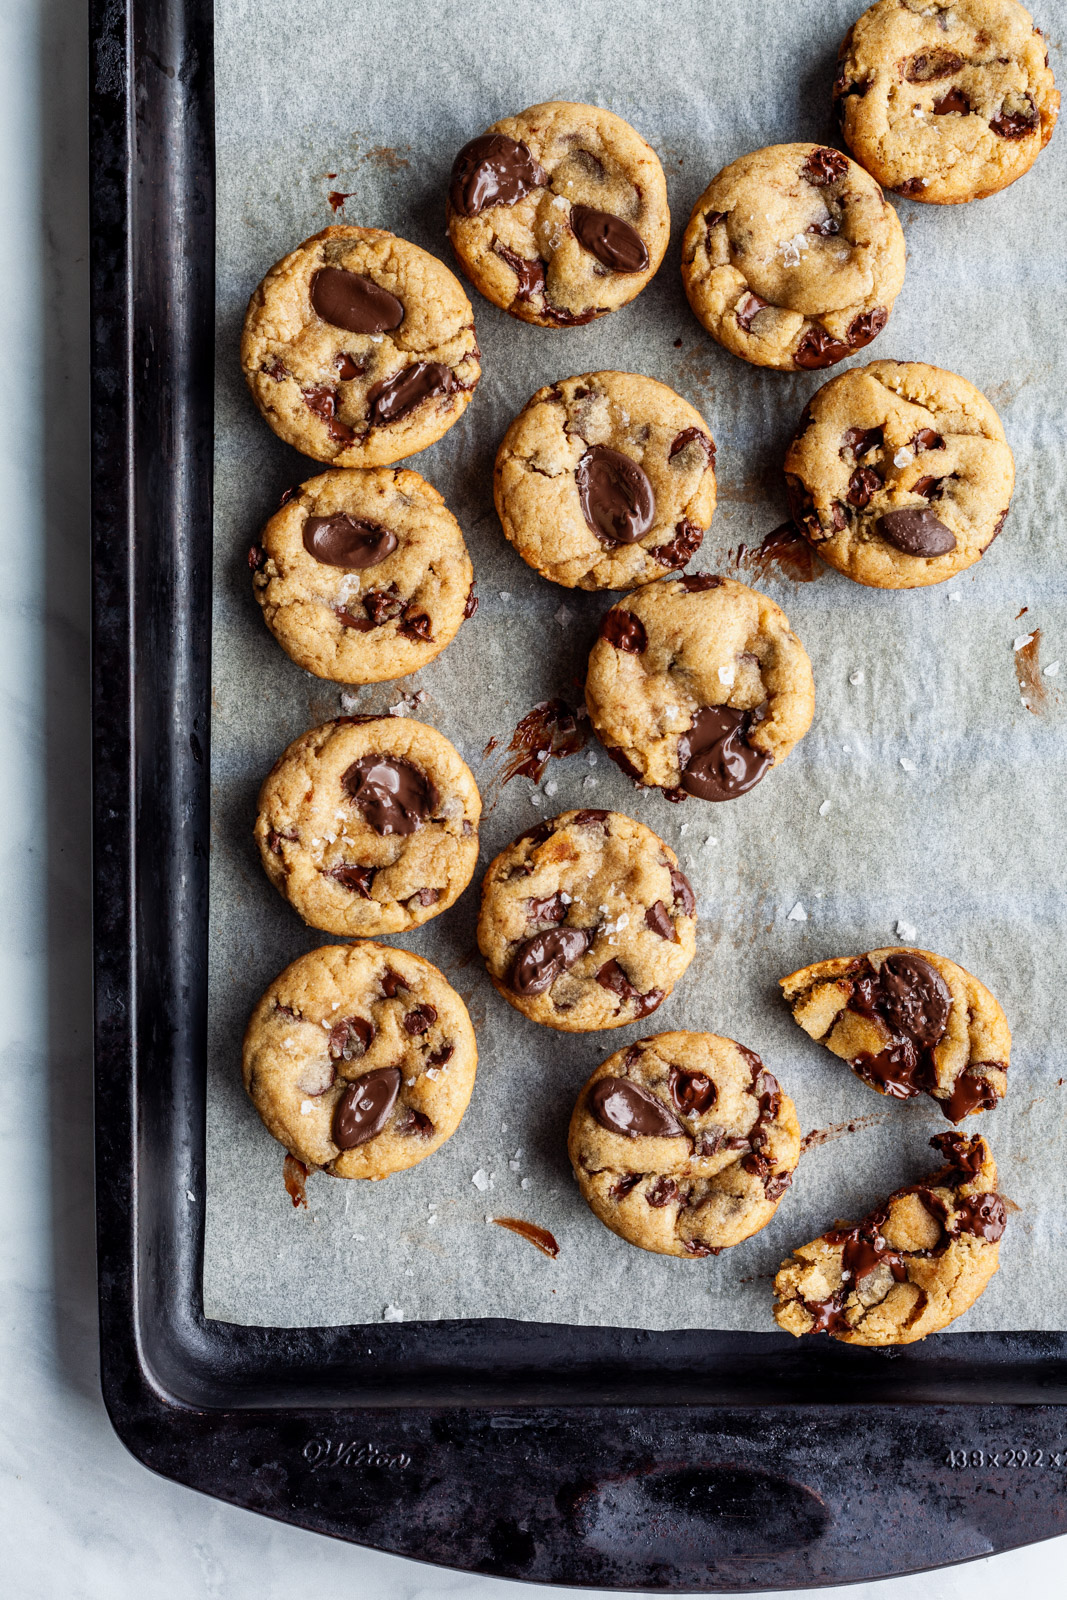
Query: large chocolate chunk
column 610, row 239
column 716, row 760
column 395, row 397
column 393, row 795
column 616, row 496
column 624, row 630
column 344, row 541
column 915, row 998
column 818, row 349
column 349, row 300
column 824, row 166
column 625, row 1107
column 541, row 960
column 493, row 170
column 917, row 532
column 364, row 1107
column 694, row 1092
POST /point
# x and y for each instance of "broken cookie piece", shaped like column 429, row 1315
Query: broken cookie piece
column 908, row 1022
column 908, row 1268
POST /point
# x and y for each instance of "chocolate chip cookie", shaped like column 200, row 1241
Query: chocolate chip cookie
column 792, row 257
column 908, row 1022
column 908, row 1268
column 899, row 474
column 698, row 686
column 684, row 1144
column 945, row 100
column 587, row 921
column 606, row 481
column 359, row 348
column 363, row 575
column 560, row 214
column 369, row 825
column 360, row 1059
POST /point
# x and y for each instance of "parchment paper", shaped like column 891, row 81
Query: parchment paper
column 846, row 847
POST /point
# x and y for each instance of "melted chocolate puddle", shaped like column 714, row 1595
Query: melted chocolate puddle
column 539, row 1237
column 785, row 550
column 552, row 729
column 1028, row 672
column 295, row 1175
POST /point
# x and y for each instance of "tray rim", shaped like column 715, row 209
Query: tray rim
column 172, row 1378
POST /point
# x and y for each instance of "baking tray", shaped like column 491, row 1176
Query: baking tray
column 690, row 1461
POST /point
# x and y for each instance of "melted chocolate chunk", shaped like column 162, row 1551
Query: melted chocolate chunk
column 963, row 1155
column 917, row 532
column 551, row 909
column 539, row 961
column 344, row 541
column 396, row 397
column 610, row 239
column 825, row 229
column 864, row 482
column 323, row 402
column 420, row 1019
column 824, row 166
column 364, row 1107
column 616, row 496
column 590, row 816
column 954, row 100
column 912, row 1000
column 747, row 308
column 492, row 170
column 984, row 1215
column 682, row 548
column 257, row 557
column 929, row 65
column 347, row 620
column 915, row 998
column 349, row 366
column 382, row 605
column 819, row 349
column 626, row 1185
column 625, row 1107
column 442, row 1056
column 274, row 840
column 866, row 326
column 349, row 300
column 1015, row 124
column 393, row 795
column 912, row 186
column 415, row 624
column 683, row 892
column 539, row 1237
column 624, row 631
column 828, row 1315
column 471, row 605
column 392, row 983
column 865, row 1249
column 529, row 271
column 716, row 760
column 411, row 1121
column 662, row 1192
column 423, row 897
column 350, row 1038
column 658, row 919
column 928, row 486
column 358, row 879
column 695, row 1093
column 860, row 442
column 699, row 582
column 692, row 436
column 927, row 439
column 971, row 1092
column 611, row 976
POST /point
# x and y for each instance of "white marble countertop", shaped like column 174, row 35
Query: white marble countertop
column 79, row 1518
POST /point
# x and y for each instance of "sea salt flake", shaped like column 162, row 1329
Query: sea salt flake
column 958, row 598
column 306, row 1108
column 798, row 914
column 904, row 930
column 824, row 808
column 505, row 594
column 909, row 766
column 591, row 758
column 1022, row 641
column 513, row 1166
column 525, row 1184
column 393, row 1313
column 727, row 674
column 903, row 458
column 480, row 1180
column 857, row 677
column 189, row 1195
column 564, row 615
column 550, row 788
column 1051, row 670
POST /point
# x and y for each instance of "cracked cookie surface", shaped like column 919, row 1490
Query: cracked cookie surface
column 698, row 686
column 606, row 481
column 684, row 1144
column 899, row 474
column 360, row 1059
column 908, row 1268
column 559, row 215
column 359, row 348
column 369, row 825
column 363, row 575
column 793, row 258
column 587, row 921
column 945, row 100
column 908, row 1022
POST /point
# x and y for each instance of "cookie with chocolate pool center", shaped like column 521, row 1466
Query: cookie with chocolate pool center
column 793, row 258
column 908, row 1022
column 698, row 686
column 360, row 1059
column 359, row 348
column 606, row 481
column 684, row 1144
column 363, row 575
column 587, row 921
column 559, row 214
column 369, row 825
column 908, row 1268
column 900, row 474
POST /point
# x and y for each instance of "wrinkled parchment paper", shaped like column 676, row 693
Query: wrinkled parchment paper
column 927, row 795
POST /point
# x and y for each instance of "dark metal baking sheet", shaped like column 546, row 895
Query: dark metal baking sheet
column 675, row 1462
